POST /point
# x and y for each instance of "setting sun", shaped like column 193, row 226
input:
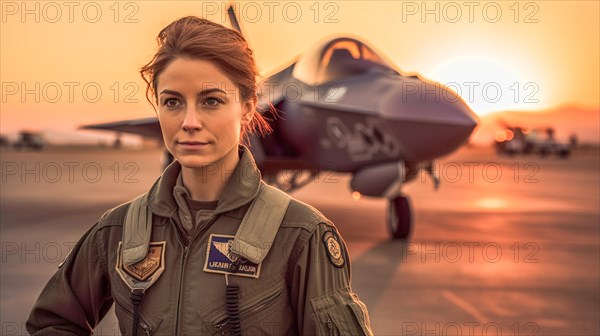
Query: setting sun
column 487, row 84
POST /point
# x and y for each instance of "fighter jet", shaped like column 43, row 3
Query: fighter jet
column 342, row 107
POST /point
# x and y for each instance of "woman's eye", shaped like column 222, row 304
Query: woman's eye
column 213, row 102
column 171, row 102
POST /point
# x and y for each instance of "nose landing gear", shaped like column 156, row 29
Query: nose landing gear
column 399, row 217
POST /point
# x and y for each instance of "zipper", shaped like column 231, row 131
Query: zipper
column 185, row 249
column 331, row 326
column 248, row 312
column 145, row 328
column 182, row 270
column 221, row 326
column 251, row 311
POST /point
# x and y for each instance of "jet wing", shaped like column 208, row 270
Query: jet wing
column 147, row 127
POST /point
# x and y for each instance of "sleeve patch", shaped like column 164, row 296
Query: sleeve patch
column 333, row 246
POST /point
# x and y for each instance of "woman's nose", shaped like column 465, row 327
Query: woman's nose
column 191, row 122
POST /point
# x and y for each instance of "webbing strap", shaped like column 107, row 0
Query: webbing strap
column 259, row 227
column 137, row 230
column 252, row 240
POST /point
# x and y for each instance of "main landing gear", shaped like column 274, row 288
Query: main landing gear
column 399, row 217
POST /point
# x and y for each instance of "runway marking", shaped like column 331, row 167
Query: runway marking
column 464, row 305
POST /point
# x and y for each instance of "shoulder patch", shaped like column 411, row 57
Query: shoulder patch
column 153, row 261
column 146, row 271
column 334, row 248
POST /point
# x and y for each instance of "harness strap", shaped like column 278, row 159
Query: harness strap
column 137, row 230
column 259, row 227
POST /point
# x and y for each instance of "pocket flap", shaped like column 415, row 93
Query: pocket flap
column 345, row 309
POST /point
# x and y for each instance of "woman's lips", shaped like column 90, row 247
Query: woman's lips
column 192, row 145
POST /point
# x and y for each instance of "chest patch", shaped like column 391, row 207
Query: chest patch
column 146, row 271
column 220, row 259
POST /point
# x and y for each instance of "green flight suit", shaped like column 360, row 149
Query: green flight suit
column 302, row 286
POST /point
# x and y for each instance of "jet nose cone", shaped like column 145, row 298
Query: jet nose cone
column 429, row 119
column 414, row 99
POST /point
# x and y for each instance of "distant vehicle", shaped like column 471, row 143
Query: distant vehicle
column 30, row 140
column 4, row 141
column 539, row 141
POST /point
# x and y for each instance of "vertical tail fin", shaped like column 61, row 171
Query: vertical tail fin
column 233, row 19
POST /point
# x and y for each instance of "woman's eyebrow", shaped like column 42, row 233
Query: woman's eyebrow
column 201, row 93
column 171, row 92
column 209, row 91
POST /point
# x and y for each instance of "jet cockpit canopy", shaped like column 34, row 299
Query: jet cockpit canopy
column 336, row 59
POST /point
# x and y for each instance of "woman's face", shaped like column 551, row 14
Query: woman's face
column 201, row 113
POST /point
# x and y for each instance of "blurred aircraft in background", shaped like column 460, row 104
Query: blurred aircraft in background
column 521, row 140
column 342, row 107
column 30, row 140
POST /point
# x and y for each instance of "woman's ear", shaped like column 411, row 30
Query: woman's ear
column 249, row 108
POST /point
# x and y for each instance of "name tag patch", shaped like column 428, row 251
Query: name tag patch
column 220, row 259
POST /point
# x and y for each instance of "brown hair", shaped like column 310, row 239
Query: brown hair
column 197, row 38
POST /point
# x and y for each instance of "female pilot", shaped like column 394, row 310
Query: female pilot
column 210, row 247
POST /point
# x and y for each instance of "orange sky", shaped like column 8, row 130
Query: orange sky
column 552, row 51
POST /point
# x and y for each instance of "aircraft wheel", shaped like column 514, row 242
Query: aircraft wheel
column 399, row 217
column 564, row 153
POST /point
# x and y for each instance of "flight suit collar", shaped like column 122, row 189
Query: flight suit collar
column 242, row 187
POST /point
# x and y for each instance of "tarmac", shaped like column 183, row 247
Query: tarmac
column 506, row 246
